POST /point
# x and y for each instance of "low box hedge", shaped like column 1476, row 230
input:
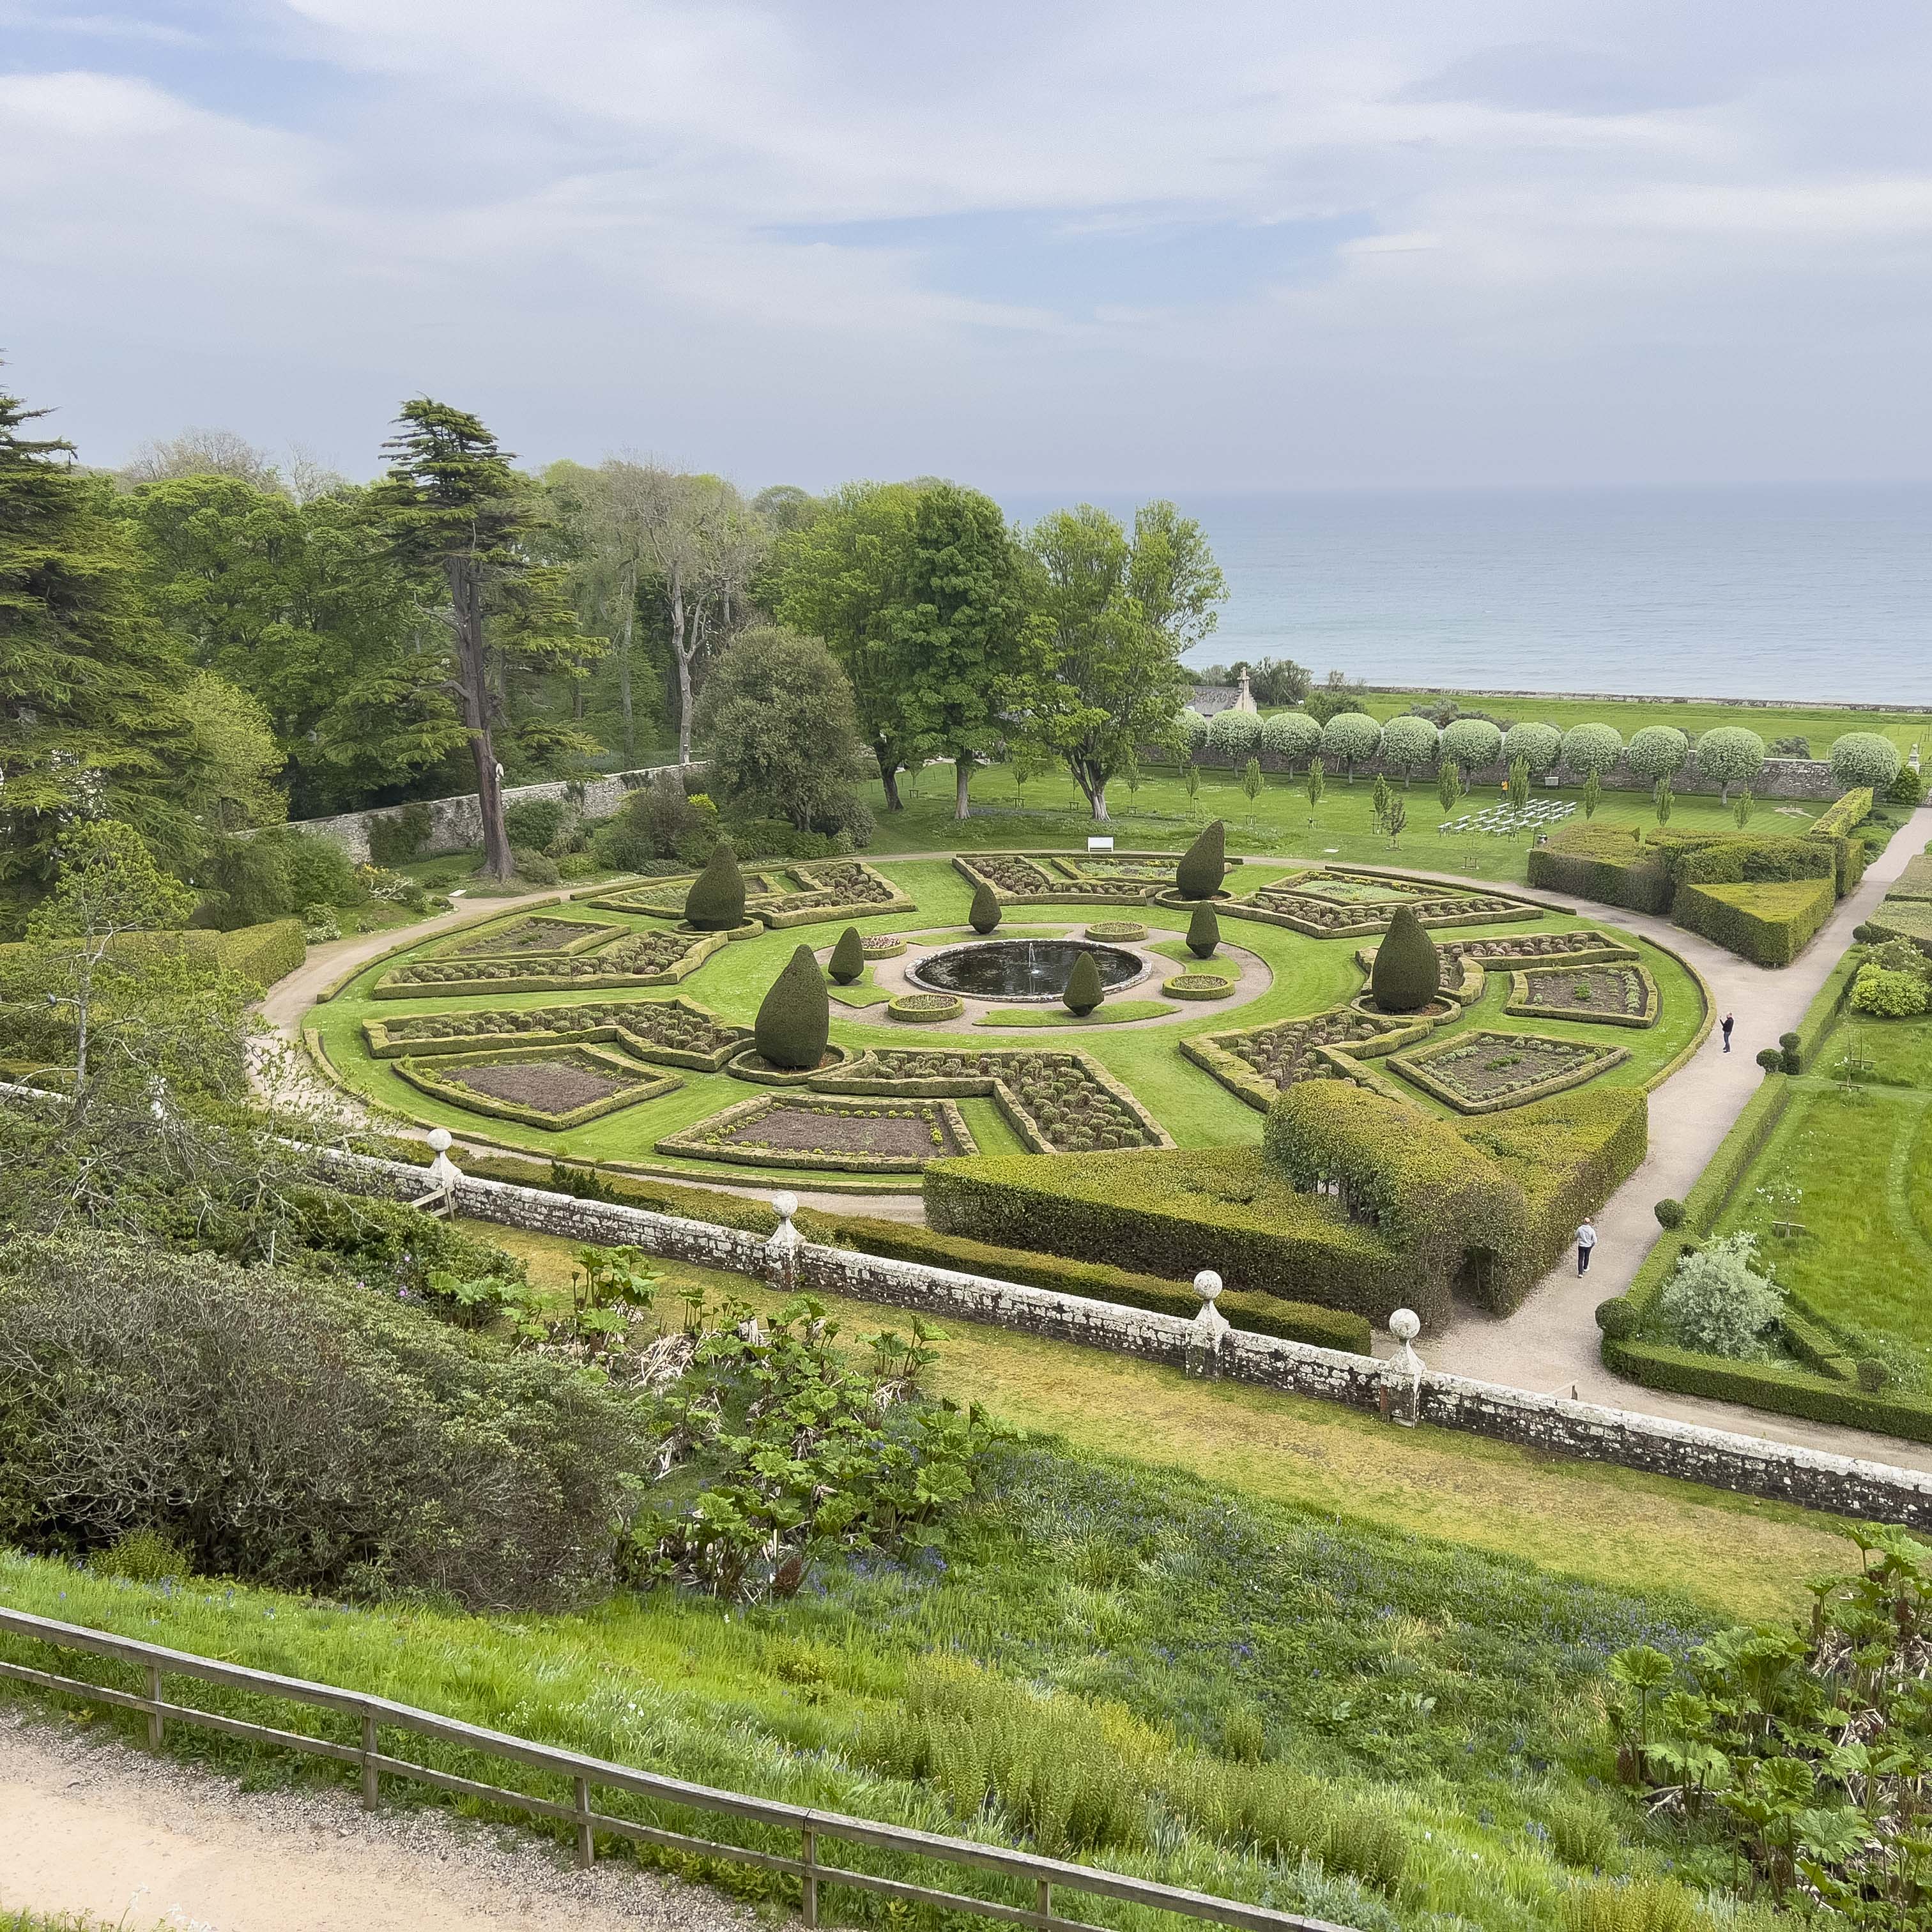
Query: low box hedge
column 701, row 948
column 1768, row 924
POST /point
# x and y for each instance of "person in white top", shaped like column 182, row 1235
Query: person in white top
column 1586, row 1239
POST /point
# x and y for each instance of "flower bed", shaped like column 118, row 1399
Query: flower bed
column 1117, row 931
column 1258, row 1063
column 653, row 959
column 1335, row 903
column 528, row 934
column 673, row 1033
column 813, row 1130
column 1479, row 1072
column 926, row 1009
column 882, row 945
column 806, row 893
column 1619, row 994
column 1197, row 986
column 554, row 1086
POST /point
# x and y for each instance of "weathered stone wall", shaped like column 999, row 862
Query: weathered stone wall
column 1747, row 1464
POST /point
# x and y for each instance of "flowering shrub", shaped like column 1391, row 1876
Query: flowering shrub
column 1717, row 1302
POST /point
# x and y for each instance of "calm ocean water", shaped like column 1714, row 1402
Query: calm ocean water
column 1810, row 592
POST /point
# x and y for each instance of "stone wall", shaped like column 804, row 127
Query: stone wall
column 456, row 824
column 1746, row 1464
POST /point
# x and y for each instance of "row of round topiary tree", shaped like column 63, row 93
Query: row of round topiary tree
column 1728, row 754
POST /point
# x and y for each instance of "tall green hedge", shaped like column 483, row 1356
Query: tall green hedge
column 1769, row 924
column 1203, row 865
column 715, row 902
column 1608, row 863
column 1407, row 973
column 794, row 1021
column 261, row 953
column 1722, row 861
column 1836, row 826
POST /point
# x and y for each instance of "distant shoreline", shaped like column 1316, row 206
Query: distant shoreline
column 1644, row 697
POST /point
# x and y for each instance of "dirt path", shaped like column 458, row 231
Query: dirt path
column 90, row 1825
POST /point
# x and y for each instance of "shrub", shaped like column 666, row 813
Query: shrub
column 794, row 1023
column 1718, row 1304
column 1083, row 991
column 1203, row 932
column 1657, row 751
column 1872, row 1374
column 1539, row 746
column 1769, row 924
column 532, row 867
column 1411, row 743
column 396, row 837
column 543, row 825
column 1591, row 748
column 1203, row 865
column 296, row 1431
column 1606, row 862
column 1408, row 971
column 985, row 915
column 1887, row 995
column 1770, row 1060
column 1669, row 1212
column 1290, row 735
column 276, row 873
column 715, row 902
column 1729, row 754
column 1908, row 787
column 1793, row 747
column 1193, row 730
column 847, row 821
column 1706, row 859
column 1350, row 736
column 1865, row 759
column 1618, row 1318
column 848, row 957
column 1234, row 735
column 1472, row 743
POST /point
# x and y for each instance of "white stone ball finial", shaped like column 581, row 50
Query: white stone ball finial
column 784, row 1206
column 1405, row 1325
column 1208, row 1284
column 439, row 1140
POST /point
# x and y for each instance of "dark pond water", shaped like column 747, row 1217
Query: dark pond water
column 1021, row 969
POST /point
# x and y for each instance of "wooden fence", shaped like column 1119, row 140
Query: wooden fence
column 375, row 1715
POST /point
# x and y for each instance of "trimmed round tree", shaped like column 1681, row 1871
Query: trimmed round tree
column 1234, row 735
column 794, row 1021
column 1083, row 991
column 1539, row 746
column 1411, row 743
column 1473, row 743
column 1291, row 736
column 715, row 902
column 1592, row 747
column 1731, row 754
column 1864, row 758
column 985, row 915
column 848, row 957
column 1658, row 751
column 1203, row 932
column 1348, row 738
column 1203, row 865
column 1408, row 971
column 1193, row 729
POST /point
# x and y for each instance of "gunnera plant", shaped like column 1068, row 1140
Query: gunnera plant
column 794, row 1023
column 1203, row 932
column 848, row 957
column 985, row 915
column 1083, row 991
column 715, row 902
column 1408, row 971
column 1203, row 865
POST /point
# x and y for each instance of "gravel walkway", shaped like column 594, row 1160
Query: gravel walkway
column 90, row 1825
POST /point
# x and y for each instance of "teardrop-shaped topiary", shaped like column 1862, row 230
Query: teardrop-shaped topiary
column 1408, row 972
column 848, row 957
column 1203, row 932
column 795, row 1019
column 1203, row 865
column 715, row 902
column 985, row 913
column 1083, row 991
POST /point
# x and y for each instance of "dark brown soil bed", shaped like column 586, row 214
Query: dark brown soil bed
column 908, row 1136
column 529, row 935
column 547, row 1086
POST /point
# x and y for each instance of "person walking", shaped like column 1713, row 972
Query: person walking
column 1586, row 1239
column 1725, row 1025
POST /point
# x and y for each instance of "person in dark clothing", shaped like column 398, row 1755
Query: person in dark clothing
column 1726, row 1024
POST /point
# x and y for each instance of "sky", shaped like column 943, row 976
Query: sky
column 1039, row 247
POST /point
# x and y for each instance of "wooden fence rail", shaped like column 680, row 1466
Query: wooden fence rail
column 375, row 1715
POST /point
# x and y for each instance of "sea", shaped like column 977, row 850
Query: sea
column 1787, row 592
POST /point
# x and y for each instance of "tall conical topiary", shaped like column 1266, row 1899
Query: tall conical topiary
column 1203, row 865
column 795, row 1019
column 1408, row 971
column 715, row 902
column 985, row 915
column 848, row 957
column 1203, row 932
column 1083, row 991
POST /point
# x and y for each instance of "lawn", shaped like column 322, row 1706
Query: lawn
column 1309, row 975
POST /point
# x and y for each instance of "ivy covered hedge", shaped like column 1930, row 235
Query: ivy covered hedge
column 1769, row 924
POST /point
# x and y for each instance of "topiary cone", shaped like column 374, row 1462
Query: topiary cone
column 795, row 1019
column 1083, row 991
column 1203, row 932
column 848, row 957
column 1203, row 865
column 985, row 913
column 715, row 902
column 1408, row 971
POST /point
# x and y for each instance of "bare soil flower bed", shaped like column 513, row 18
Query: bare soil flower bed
column 811, row 1130
column 559, row 1086
column 1479, row 1072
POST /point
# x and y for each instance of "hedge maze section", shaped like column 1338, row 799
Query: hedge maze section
column 806, row 893
column 528, row 934
column 1620, row 994
column 669, row 1033
column 1480, row 1072
column 652, row 958
column 1057, row 1102
column 820, row 1131
column 553, row 1087
column 1331, row 902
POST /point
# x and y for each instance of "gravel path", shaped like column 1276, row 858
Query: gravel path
column 90, row 1825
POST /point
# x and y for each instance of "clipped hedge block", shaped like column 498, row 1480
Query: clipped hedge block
column 1769, row 924
column 1607, row 863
